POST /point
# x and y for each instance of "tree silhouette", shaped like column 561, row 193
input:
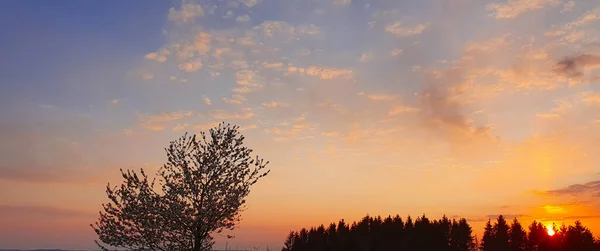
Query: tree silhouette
column 501, row 238
column 424, row 234
column 487, row 242
column 461, row 236
column 518, row 236
column 203, row 187
column 579, row 237
column 537, row 237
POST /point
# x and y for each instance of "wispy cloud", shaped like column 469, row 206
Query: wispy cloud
column 592, row 187
column 160, row 56
column 378, row 97
column 207, row 101
column 234, row 100
column 573, row 66
column 243, row 19
column 225, row 115
column 329, row 73
column 275, row 104
column 43, row 211
column 157, row 122
column 514, row 8
column 342, row 2
column 398, row 109
column 402, row 30
column 187, row 13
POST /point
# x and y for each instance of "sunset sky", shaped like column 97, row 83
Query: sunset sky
column 468, row 108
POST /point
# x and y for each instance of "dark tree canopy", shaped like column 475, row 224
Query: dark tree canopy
column 390, row 233
column 203, row 187
column 393, row 233
column 518, row 236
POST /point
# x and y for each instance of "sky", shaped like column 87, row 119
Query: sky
column 467, row 108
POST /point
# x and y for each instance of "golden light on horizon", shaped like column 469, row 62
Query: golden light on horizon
column 550, row 229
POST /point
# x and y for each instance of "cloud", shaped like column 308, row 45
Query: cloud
column 160, row 56
column 147, row 76
column 43, row 211
column 592, row 98
column 242, row 89
column 276, row 65
column 206, row 126
column 342, row 2
column 157, row 122
column 568, row 6
column 114, row 101
column 507, row 216
column 573, row 66
column 514, row 8
column 228, row 15
column 239, row 64
column 276, row 30
column 366, row 57
column 207, row 101
column 378, row 97
column 187, row 13
column 243, row 19
column 396, row 52
column 235, row 100
column 308, row 30
column 400, row 30
column 398, row 109
column 441, row 108
column 547, row 115
column 331, row 134
column 572, row 32
column 592, row 187
column 191, row 66
column 248, row 127
column 487, row 46
column 281, row 139
column 328, row 73
column 292, row 131
column 180, row 127
column 225, row 115
column 275, row 104
column 248, row 80
column 48, row 174
column 330, row 105
column 250, row 3
column 192, row 47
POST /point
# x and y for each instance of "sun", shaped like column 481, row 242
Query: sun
column 550, row 229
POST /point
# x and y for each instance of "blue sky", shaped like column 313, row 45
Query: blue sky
column 389, row 95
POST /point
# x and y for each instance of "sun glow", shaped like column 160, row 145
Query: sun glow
column 550, row 229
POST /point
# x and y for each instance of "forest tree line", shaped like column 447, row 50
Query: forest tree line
column 423, row 234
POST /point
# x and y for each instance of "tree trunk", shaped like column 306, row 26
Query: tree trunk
column 197, row 240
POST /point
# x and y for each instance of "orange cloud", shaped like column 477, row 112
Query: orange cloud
column 187, row 13
column 328, row 73
column 156, row 122
column 160, row 56
column 275, row 104
column 235, row 100
column 378, row 97
column 225, row 115
column 401, row 30
column 401, row 109
column 207, row 101
column 514, row 8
